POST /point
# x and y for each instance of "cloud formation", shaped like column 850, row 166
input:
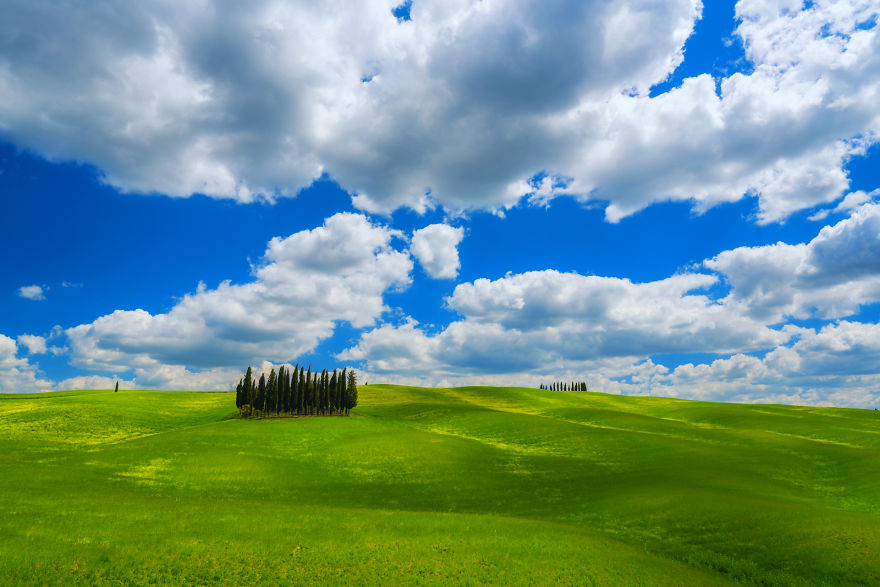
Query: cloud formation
column 34, row 344
column 546, row 324
column 461, row 105
column 32, row 292
column 18, row 375
column 307, row 283
column 436, row 248
column 522, row 328
column 547, row 319
column 829, row 277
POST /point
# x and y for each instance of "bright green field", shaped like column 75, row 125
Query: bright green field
column 436, row 486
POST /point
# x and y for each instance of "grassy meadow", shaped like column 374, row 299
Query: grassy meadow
column 436, row 486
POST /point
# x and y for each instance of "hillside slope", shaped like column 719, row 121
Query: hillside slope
column 465, row 485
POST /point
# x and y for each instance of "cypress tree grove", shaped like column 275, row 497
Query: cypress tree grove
column 296, row 392
column 564, row 386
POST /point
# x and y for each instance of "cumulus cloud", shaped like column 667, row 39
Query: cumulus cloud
column 548, row 319
column 307, row 283
column 18, row 375
column 460, row 105
column 849, row 203
column 829, row 277
column 31, row 292
column 834, row 365
column 436, row 248
column 546, row 325
column 35, row 344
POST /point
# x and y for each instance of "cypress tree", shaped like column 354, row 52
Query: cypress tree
column 340, row 391
column 316, row 392
column 288, row 403
column 261, row 393
column 271, row 391
column 247, row 389
column 325, row 395
column 294, row 383
column 332, row 391
column 351, row 392
column 321, row 390
column 288, row 389
column 308, row 399
column 117, row 386
column 302, row 391
column 282, row 390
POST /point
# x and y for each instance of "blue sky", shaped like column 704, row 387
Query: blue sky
column 660, row 198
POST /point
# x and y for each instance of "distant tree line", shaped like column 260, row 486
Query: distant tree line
column 297, row 392
column 565, row 386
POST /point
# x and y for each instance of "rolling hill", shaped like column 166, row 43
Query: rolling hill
column 436, row 486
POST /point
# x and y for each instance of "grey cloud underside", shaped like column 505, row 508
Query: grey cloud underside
column 466, row 101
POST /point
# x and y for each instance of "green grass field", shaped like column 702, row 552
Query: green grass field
column 436, row 486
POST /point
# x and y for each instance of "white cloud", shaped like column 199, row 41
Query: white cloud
column 35, row 344
column 544, row 325
column 179, row 377
column 551, row 320
column 18, row 375
column 436, row 248
column 465, row 102
column 829, row 277
column 838, row 365
column 308, row 282
column 849, row 203
column 31, row 292
column 93, row 382
column 173, row 377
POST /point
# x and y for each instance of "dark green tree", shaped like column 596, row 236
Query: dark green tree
column 247, row 389
column 309, row 391
column 271, row 391
column 351, row 392
column 340, row 384
column 332, row 393
column 301, row 393
column 261, row 393
column 285, row 391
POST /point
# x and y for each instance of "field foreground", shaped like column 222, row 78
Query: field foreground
column 462, row 486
